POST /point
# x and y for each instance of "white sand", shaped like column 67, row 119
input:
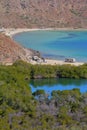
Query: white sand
column 60, row 62
column 56, row 62
column 10, row 32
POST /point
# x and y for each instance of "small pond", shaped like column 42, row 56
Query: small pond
column 48, row 85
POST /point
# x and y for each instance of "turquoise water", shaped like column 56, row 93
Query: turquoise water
column 58, row 84
column 56, row 44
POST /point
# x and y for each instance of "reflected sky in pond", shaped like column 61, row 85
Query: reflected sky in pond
column 58, row 84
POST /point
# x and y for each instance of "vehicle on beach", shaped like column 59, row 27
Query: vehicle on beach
column 72, row 60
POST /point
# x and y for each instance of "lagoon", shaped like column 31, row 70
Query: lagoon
column 48, row 85
column 56, row 44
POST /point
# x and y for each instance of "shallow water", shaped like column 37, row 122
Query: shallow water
column 56, row 44
column 58, row 84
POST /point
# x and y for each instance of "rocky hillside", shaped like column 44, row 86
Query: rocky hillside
column 10, row 51
column 43, row 13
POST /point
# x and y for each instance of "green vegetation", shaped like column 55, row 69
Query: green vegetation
column 39, row 92
column 48, row 71
column 19, row 110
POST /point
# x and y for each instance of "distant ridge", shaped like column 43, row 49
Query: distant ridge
column 43, row 13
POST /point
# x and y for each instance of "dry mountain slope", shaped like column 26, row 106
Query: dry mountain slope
column 43, row 13
column 10, row 51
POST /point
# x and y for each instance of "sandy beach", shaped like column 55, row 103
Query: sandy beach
column 59, row 62
column 56, row 62
column 10, row 32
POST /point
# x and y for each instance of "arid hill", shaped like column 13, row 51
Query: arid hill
column 43, row 13
column 10, row 51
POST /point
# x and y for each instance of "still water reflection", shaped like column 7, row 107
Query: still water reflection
column 58, row 84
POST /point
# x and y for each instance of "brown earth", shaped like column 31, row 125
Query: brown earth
column 43, row 13
column 10, row 51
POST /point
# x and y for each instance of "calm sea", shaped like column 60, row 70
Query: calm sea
column 56, row 44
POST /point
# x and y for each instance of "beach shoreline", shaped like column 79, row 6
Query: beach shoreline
column 61, row 62
column 57, row 62
column 11, row 32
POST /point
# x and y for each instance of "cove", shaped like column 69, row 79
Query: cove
column 48, row 85
column 56, row 44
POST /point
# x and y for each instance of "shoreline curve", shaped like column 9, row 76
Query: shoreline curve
column 12, row 31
